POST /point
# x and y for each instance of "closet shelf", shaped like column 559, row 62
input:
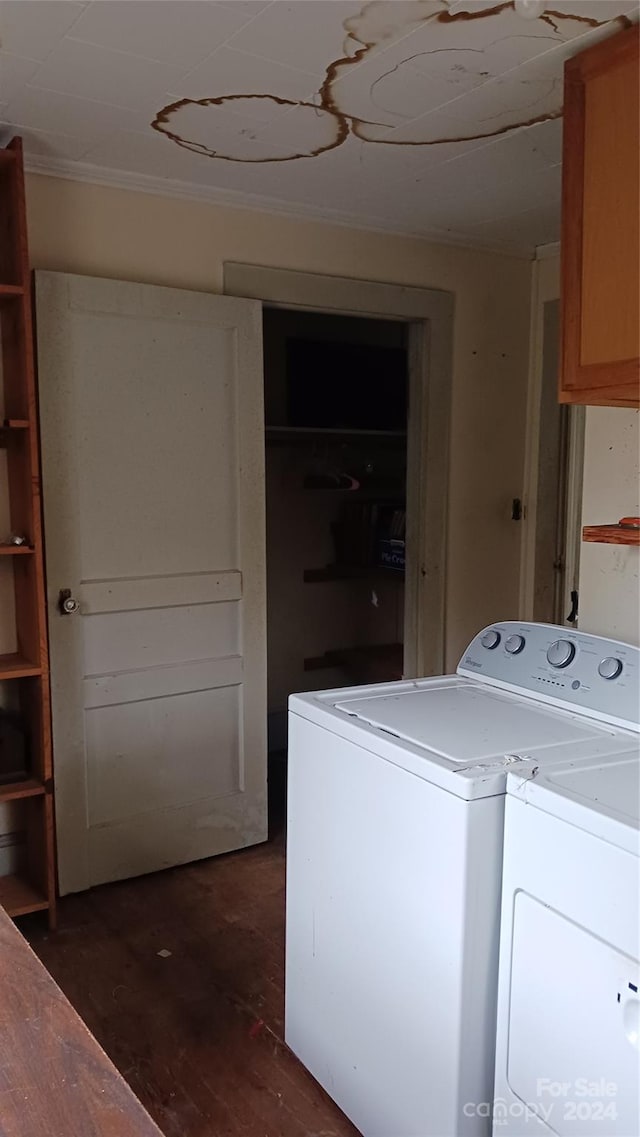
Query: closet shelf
column 16, row 550
column 350, row 572
column 382, row 655
column 611, row 535
column 304, row 434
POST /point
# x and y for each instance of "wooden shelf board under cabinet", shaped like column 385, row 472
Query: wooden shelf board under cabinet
column 15, row 666
column 18, row 897
column 29, row 787
column 611, row 535
column 15, row 550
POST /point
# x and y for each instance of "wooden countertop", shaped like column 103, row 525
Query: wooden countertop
column 55, row 1080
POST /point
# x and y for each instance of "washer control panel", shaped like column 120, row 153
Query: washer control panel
column 590, row 674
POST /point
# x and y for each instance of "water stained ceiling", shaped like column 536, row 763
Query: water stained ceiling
column 439, row 118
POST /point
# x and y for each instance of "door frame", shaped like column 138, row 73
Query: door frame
column 429, row 315
column 545, row 286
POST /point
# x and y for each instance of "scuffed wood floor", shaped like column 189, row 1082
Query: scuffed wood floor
column 198, row 1034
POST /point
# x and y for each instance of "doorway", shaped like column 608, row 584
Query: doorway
column 424, row 318
column 336, row 409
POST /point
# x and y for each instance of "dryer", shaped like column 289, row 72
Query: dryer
column 394, row 864
column 568, row 1057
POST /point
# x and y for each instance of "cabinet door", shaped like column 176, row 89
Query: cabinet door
column 600, row 232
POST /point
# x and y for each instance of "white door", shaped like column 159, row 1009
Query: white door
column 151, row 408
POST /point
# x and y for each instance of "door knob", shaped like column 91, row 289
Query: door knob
column 67, row 604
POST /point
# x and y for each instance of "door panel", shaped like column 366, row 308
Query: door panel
column 151, row 409
column 116, row 640
column 145, row 735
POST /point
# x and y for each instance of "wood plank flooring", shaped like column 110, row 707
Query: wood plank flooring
column 197, row 1033
column 54, row 1078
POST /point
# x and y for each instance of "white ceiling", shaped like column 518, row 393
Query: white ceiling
column 433, row 117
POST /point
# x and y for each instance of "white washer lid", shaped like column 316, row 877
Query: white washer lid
column 470, row 722
column 457, row 733
column 600, row 795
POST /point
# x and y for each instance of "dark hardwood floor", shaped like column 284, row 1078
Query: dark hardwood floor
column 197, row 1033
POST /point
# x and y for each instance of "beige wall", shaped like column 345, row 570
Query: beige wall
column 609, row 584
column 100, row 231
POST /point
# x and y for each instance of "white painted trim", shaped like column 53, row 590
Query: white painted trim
column 575, row 478
column 258, row 203
column 429, row 314
column 531, row 448
column 548, row 252
column 545, row 286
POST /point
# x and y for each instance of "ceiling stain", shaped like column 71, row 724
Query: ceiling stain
column 223, row 127
column 332, row 127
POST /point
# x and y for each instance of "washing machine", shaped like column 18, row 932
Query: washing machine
column 396, row 798
column 567, row 1056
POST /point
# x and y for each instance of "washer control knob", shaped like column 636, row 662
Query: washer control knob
column 560, row 653
column 514, row 644
column 610, row 667
column 490, row 639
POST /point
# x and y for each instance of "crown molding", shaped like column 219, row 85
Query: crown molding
column 239, row 199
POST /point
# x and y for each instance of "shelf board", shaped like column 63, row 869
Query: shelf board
column 12, row 429
column 350, row 572
column 15, row 666
column 10, row 291
column 18, row 897
column 611, row 535
column 302, row 434
column 29, row 787
column 350, row 656
column 16, row 550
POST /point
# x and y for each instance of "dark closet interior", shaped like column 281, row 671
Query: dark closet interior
column 336, row 405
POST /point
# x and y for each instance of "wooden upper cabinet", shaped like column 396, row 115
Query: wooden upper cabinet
column 600, row 230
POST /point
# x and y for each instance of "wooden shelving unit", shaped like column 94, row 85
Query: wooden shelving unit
column 611, row 535
column 24, row 672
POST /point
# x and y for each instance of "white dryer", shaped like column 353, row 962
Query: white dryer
column 394, row 865
column 568, row 1057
